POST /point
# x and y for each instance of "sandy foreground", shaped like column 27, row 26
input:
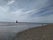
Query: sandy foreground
column 38, row 33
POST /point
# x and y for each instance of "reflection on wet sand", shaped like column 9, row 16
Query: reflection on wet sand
column 9, row 30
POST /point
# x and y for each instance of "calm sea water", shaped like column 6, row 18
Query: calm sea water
column 8, row 30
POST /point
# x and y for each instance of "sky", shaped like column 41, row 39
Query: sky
column 26, row 11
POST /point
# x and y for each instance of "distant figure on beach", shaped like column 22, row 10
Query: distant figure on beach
column 16, row 21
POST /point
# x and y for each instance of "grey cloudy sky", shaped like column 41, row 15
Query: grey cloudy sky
column 26, row 10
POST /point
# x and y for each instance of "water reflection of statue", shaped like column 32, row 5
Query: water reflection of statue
column 16, row 21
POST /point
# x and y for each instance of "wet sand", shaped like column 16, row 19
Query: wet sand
column 37, row 33
column 8, row 30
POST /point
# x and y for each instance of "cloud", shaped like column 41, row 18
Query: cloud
column 20, row 14
column 4, row 13
column 10, row 2
column 25, row 10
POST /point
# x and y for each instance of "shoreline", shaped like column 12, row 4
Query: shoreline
column 45, row 32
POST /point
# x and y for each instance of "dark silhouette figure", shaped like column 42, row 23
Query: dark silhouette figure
column 16, row 21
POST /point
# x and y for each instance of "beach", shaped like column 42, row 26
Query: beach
column 37, row 33
column 26, row 31
column 8, row 30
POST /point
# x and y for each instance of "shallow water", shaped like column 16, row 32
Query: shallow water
column 8, row 30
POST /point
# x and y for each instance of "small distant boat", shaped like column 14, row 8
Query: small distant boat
column 16, row 21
